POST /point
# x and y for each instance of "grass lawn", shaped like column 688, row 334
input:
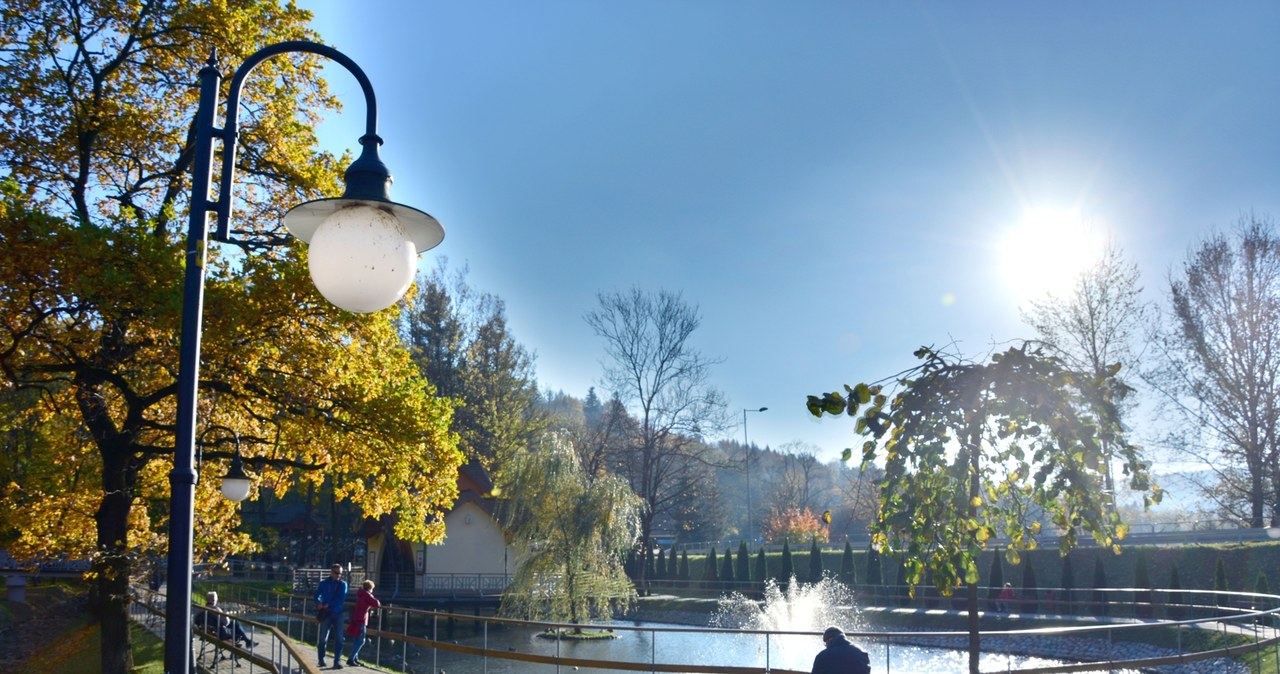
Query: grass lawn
column 77, row 651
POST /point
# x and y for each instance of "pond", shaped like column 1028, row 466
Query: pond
column 790, row 652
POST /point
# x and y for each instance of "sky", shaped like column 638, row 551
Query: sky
column 831, row 184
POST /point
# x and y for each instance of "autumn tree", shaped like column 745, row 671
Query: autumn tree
column 655, row 370
column 571, row 531
column 1219, row 369
column 97, row 106
column 957, row 438
column 794, row 525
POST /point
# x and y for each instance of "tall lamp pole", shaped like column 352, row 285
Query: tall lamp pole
column 747, row 447
column 363, row 257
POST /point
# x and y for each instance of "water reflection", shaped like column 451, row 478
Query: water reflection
column 791, row 652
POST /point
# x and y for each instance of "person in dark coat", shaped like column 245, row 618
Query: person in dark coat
column 840, row 656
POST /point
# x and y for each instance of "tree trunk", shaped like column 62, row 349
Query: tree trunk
column 975, row 648
column 112, row 567
column 975, row 490
column 646, row 530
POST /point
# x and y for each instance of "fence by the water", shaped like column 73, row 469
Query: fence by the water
column 1224, row 629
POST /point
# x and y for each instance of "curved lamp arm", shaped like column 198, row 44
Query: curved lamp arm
column 230, row 131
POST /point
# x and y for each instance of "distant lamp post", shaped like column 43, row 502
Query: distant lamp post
column 747, row 447
column 236, row 483
column 363, row 248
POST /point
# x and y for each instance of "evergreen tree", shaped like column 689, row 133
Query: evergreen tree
column 462, row 344
column 673, row 568
column 744, row 562
column 1261, row 586
column 661, row 571
column 787, row 570
column 1141, row 580
column 726, row 570
column 1068, row 586
column 995, row 580
column 1101, row 605
column 1220, row 582
column 847, row 574
column 651, row 570
column 1030, row 592
column 710, row 572
column 815, row 561
column 762, row 566
column 684, row 565
column 875, row 570
column 1176, row 610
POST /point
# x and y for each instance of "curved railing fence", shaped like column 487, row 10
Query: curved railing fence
column 1121, row 630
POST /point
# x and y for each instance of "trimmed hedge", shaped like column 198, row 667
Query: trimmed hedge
column 1241, row 563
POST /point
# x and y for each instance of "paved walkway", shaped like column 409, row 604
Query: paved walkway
column 265, row 647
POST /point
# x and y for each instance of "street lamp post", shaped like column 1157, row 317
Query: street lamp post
column 363, row 251
column 747, row 447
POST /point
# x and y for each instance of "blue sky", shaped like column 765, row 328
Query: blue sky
column 833, row 184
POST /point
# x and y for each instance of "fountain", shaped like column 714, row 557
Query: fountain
column 808, row 607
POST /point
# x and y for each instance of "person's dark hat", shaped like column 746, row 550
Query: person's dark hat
column 831, row 633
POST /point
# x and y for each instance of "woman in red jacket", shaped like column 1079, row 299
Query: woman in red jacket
column 360, row 619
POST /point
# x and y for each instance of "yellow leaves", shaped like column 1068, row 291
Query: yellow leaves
column 975, row 502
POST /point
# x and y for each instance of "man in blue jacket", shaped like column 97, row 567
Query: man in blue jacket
column 329, row 598
column 840, row 656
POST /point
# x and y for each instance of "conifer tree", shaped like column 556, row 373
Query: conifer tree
column 1220, row 582
column 1101, row 605
column 875, row 570
column 1030, row 591
column 815, row 561
column 847, row 574
column 684, row 564
column 787, row 570
column 1065, row 602
column 995, row 577
column 1142, row 581
column 710, row 572
column 762, row 566
column 1176, row 610
column 744, row 562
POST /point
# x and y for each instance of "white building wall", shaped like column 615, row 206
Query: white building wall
column 473, row 545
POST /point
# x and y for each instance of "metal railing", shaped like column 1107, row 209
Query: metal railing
column 274, row 651
column 1237, row 626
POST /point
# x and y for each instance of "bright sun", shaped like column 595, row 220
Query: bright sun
column 1047, row 251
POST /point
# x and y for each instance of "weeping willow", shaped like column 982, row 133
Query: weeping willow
column 571, row 531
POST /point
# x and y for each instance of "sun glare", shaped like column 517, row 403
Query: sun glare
column 1047, row 251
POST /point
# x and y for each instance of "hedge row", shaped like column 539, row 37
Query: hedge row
column 1242, row 563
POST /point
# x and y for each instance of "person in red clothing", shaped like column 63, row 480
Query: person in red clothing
column 360, row 619
column 1004, row 602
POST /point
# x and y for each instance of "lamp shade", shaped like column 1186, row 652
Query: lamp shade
column 361, row 258
column 236, row 484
